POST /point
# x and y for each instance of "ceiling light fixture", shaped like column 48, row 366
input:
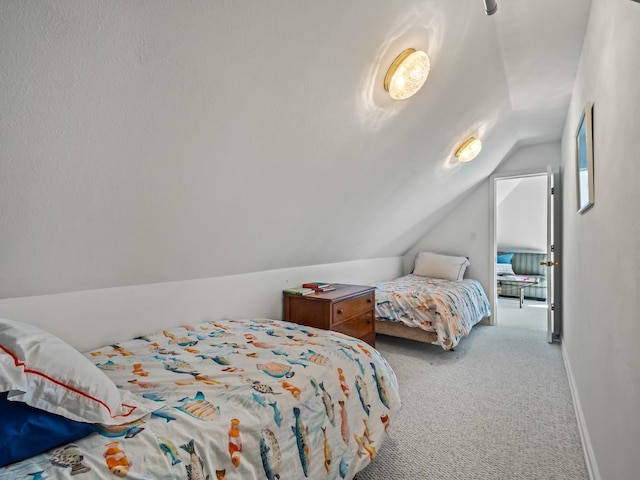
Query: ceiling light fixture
column 407, row 74
column 490, row 6
column 468, row 150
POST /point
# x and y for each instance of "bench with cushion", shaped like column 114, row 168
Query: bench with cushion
column 524, row 264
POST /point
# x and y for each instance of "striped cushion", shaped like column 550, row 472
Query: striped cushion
column 525, row 263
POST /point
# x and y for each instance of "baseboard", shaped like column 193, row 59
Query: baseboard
column 587, row 448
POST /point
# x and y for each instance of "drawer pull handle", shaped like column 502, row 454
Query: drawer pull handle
column 369, row 300
column 339, row 311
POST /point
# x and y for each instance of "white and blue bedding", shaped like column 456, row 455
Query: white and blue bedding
column 239, row 399
column 447, row 307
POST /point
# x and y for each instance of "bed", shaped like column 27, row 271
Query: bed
column 237, row 399
column 432, row 310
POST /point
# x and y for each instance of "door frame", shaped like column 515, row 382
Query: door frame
column 493, row 241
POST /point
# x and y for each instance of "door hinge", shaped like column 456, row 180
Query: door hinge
column 553, row 248
column 553, row 307
column 553, row 190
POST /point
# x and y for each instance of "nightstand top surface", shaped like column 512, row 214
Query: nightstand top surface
column 342, row 290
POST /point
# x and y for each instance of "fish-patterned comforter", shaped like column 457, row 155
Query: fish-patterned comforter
column 239, row 399
column 449, row 308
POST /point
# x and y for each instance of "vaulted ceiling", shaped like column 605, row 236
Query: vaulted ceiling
column 158, row 140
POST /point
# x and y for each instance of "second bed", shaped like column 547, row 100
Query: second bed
column 430, row 310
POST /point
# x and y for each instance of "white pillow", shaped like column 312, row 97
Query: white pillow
column 504, row 269
column 43, row 371
column 433, row 265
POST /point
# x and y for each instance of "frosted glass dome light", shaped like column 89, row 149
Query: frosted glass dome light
column 468, row 150
column 407, row 74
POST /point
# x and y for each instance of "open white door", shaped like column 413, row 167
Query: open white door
column 551, row 262
column 554, row 240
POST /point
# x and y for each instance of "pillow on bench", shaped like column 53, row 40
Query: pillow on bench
column 505, row 258
column 504, row 269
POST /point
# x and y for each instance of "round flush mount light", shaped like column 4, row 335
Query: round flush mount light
column 468, row 150
column 407, row 74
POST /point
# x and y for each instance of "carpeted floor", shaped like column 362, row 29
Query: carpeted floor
column 498, row 407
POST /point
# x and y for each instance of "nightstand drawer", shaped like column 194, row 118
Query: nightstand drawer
column 348, row 308
column 359, row 326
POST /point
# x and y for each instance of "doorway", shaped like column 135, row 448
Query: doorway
column 523, row 249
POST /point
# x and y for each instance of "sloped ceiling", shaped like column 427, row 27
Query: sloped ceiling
column 158, row 140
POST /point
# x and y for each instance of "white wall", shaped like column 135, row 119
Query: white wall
column 93, row 318
column 157, row 140
column 465, row 230
column 602, row 246
column 521, row 220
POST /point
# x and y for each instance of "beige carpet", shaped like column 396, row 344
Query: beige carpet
column 498, row 407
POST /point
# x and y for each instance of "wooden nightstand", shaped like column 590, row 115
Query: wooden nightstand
column 348, row 309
